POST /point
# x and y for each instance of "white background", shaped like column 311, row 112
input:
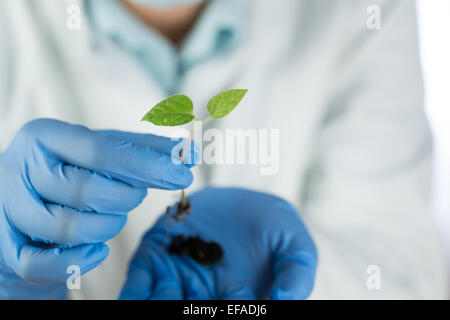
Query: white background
column 434, row 26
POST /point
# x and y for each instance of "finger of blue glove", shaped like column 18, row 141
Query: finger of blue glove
column 166, row 284
column 52, row 223
column 155, row 275
column 83, row 189
column 196, row 280
column 294, row 256
column 137, row 165
column 170, row 146
column 14, row 288
column 293, row 279
column 167, row 290
column 239, row 292
column 52, row 265
column 139, row 283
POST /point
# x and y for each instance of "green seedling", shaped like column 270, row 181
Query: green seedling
column 179, row 110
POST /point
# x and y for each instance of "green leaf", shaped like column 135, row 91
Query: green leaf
column 225, row 102
column 173, row 111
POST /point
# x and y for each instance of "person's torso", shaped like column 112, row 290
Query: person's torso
column 284, row 62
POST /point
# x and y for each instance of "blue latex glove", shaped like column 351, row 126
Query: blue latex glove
column 64, row 191
column 268, row 252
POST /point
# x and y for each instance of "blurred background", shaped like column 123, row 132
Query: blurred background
column 434, row 26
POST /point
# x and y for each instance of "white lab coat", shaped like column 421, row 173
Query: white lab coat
column 354, row 141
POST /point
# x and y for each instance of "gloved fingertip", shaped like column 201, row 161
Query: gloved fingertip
column 240, row 293
column 300, row 292
column 51, row 265
column 167, row 291
column 182, row 178
column 280, row 294
column 188, row 178
column 189, row 154
column 93, row 256
column 103, row 250
column 192, row 155
column 293, row 281
column 138, row 284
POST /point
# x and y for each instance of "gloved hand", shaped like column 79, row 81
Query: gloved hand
column 64, row 191
column 267, row 251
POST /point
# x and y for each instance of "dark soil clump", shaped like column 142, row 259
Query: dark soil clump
column 205, row 253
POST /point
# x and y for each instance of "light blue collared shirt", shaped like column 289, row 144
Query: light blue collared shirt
column 219, row 29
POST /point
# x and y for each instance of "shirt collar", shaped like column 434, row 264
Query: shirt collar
column 219, row 28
